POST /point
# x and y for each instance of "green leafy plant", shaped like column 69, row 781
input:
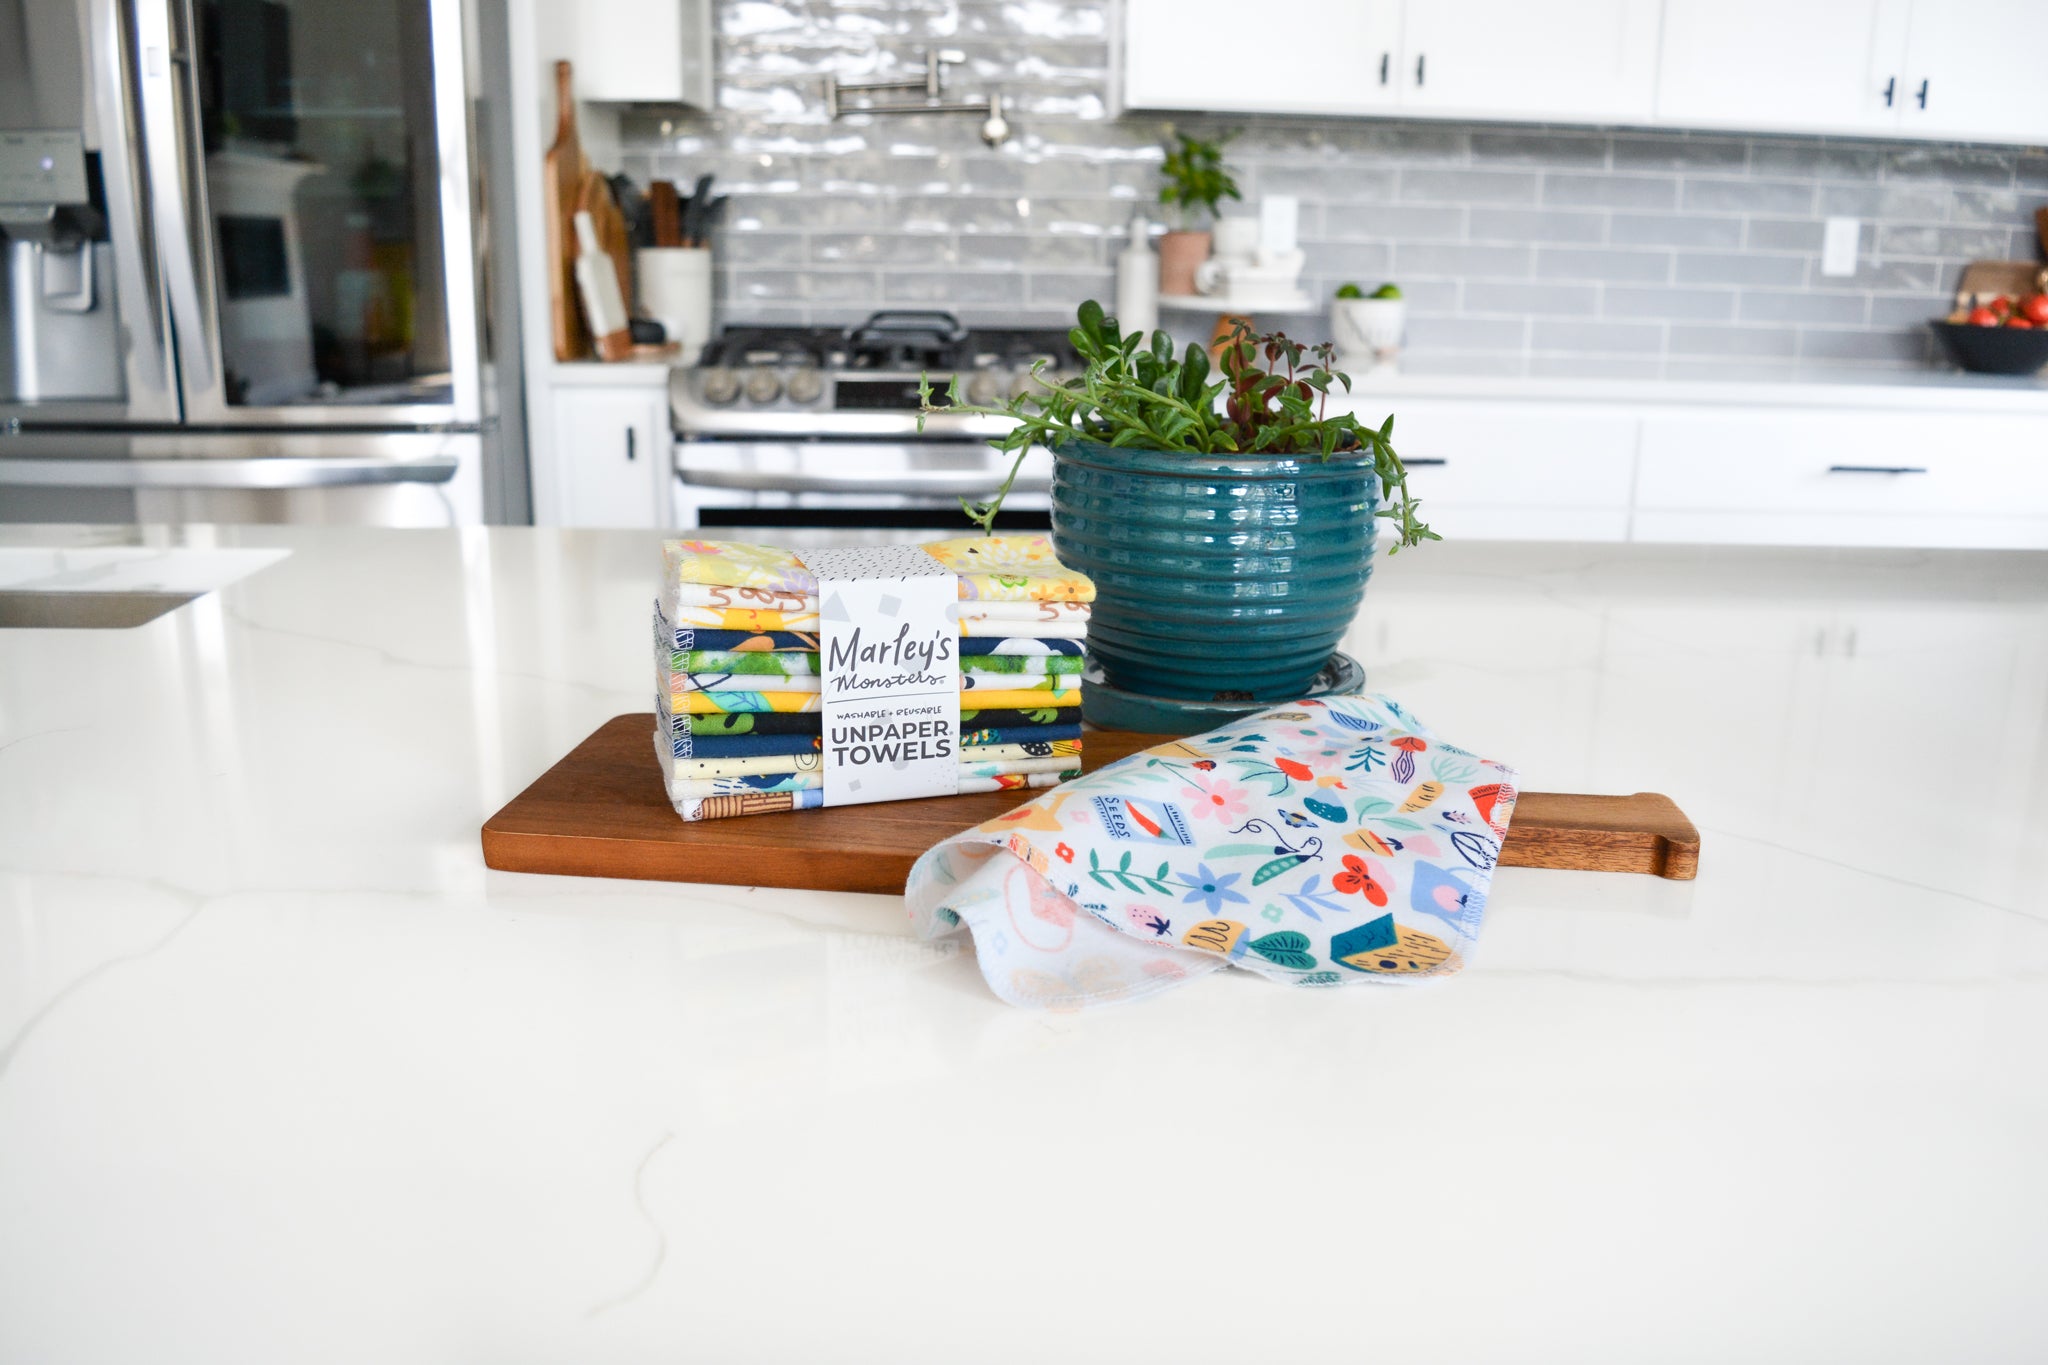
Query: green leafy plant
column 1133, row 392
column 1196, row 178
column 1350, row 291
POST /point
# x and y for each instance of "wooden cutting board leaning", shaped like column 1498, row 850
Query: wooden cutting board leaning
column 563, row 171
column 608, row 226
column 601, row 812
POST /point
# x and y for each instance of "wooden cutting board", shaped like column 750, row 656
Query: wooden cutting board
column 609, row 225
column 563, row 171
column 602, row 812
column 666, row 209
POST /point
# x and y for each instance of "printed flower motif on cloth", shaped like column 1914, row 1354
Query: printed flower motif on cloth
column 975, row 647
column 704, row 703
column 1292, row 843
column 991, row 568
column 1010, row 569
column 1036, row 665
column 734, row 564
column 740, row 618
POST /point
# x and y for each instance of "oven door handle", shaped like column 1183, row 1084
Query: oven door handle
column 966, row 483
column 274, row 472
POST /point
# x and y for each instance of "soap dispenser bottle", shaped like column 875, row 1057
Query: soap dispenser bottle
column 1137, row 281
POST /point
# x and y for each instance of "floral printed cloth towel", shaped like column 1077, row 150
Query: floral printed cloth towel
column 744, row 745
column 991, row 568
column 1320, row 843
column 970, row 678
column 725, row 805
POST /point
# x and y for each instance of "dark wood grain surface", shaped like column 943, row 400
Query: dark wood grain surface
column 601, row 812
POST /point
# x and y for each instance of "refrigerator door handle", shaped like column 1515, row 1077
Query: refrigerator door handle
column 116, row 90
column 157, row 39
column 463, row 223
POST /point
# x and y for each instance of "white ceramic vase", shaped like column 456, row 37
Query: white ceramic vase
column 1368, row 331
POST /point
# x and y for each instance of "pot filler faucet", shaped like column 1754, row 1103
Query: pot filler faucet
column 995, row 129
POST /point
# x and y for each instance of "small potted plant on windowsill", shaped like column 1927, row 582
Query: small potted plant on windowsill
column 1230, row 541
column 1197, row 181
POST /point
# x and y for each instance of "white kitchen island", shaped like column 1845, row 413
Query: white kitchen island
column 287, row 1075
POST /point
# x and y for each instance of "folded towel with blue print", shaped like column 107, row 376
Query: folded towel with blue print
column 1319, row 843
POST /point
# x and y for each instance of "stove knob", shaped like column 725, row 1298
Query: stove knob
column 985, row 387
column 1022, row 383
column 720, row 386
column 805, row 384
column 763, row 385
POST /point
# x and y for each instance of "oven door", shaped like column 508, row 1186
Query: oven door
column 853, row 483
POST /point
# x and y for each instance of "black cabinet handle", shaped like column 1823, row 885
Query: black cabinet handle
column 1862, row 468
column 1922, row 96
column 631, row 442
column 1425, row 462
column 1386, row 60
column 1418, row 67
column 1890, row 87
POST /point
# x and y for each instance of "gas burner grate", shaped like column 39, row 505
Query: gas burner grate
column 897, row 342
column 754, row 345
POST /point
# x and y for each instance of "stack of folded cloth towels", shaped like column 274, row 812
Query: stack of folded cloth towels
column 736, row 648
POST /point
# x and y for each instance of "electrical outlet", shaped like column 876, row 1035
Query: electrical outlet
column 1838, row 246
column 1279, row 220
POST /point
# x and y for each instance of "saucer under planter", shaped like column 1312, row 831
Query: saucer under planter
column 1112, row 708
column 1217, row 577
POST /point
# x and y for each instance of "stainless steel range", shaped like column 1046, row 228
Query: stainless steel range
column 794, row 426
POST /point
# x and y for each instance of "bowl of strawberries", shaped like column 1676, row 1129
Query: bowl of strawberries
column 1998, row 334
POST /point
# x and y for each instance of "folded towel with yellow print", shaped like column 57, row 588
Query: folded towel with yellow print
column 1319, row 843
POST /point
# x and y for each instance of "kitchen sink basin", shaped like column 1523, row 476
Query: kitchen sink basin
column 86, row 610
column 113, row 587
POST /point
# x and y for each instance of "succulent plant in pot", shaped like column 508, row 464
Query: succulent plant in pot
column 1197, row 182
column 1226, row 514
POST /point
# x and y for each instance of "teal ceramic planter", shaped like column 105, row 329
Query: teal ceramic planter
column 1217, row 577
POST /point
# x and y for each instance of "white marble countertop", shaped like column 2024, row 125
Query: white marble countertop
column 286, row 1075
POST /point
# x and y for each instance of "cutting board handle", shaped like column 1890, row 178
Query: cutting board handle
column 565, row 105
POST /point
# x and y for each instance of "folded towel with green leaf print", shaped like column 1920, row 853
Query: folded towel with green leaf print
column 1320, row 843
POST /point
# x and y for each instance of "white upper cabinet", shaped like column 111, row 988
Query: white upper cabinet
column 1572, row 60
column 633, row 51
column 1972, row 71
column 1548, row 59
column 1770, row 65
column 1887, row 68
column 1282, row 57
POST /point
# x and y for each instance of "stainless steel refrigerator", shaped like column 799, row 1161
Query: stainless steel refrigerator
column 245, row 265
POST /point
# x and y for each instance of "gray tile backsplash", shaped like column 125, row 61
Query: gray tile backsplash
column 1540, row 251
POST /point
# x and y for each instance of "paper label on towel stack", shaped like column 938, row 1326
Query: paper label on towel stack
column 889, row 673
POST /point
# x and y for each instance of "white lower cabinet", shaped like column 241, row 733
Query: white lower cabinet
column 612, row 456
column 1671, row 472
column 1843, row 478
column 1505, row 472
